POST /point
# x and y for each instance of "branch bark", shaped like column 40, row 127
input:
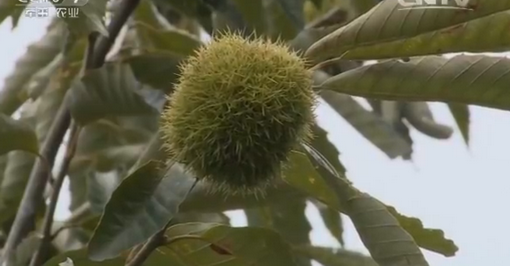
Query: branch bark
column 40, row 174
column 43, row 248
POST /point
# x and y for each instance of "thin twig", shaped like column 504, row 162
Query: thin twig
column 39, row 176
column 38, row 258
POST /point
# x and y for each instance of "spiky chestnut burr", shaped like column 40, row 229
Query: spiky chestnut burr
column 239, row 108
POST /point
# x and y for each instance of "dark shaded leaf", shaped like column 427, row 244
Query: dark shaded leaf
column 26, row 249
column 461, row 115
column 326, row 148
column 89, row 18
column 335, row 257
column 8, row 8
column 158, row 69
column 174, row 41
column 374, row 128
column 285, row 18
column 254, row 14
column 140, row 206
column 248, row 246
column 479, row 80
column 418, row 114
column 332, row 220
column 16, row 135
column 111, row 91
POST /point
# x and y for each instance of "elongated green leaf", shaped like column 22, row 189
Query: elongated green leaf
column 325, row 147
column 26, row 249
column 285, row 18
column 140, row 206
column 158, row 69
column 332, row 220
column 461, row 115
column 175, row 41
column 16, row 135
column 373, row 127
column 431, row 239
column 388, row 243
column 99, row 190
column 419, row 115
column 104, row 92
column 14, row 182
column 254, row 14
column 387, row 22
column 479, row 80
column 224, row 245
column 472, row 36
column 335, row 257
column 38, row 55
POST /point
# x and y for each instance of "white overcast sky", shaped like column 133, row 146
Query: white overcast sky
column 463, row 191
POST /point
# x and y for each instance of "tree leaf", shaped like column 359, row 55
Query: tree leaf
column 373, row 127
column 239, row 246
column 471, row 36
column 388, row 243
column 26, row 249
column 175, row 41
column 285, row 18
column 418, row 114
column 430, row 239
column 16, row 135
column 89, row 18
column 38, row 55
column 332, row 220
column 386, row 22
column 9, row 8
column 479, row 80
column 321, row 142
column 254, row 14
column 335, row 257
column 461, row 115
column 140, row 206
column 111, row 91
column 157, row 69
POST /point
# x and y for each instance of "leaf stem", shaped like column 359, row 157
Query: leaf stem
column 43, row 248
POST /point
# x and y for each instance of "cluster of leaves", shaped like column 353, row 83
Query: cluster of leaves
column 119, row 195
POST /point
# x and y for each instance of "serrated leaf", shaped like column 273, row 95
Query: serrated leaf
column 478, row 80
column 38, row 55
column 388, row 243
column 16, row 135
column 99, row 189
column 461, row 115
column 111, row 91
column 430, row 239
column 140, row 206
column 224, row 245
column 373, row 127
column 387, row 22
column 472, row 36
column 158, row 69
column 335, row 257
